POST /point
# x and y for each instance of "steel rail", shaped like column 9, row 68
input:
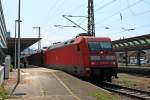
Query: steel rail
column 135, row 93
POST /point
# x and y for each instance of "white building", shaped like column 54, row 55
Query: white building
column 2, row 34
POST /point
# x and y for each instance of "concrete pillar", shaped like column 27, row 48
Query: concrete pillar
column 126, row 58
column 139, row 57
column 7, row 67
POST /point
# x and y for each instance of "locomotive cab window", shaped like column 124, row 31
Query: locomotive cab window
column 96, row 46
column 105, row 45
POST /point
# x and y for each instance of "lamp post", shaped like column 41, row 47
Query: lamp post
column 18, row 42
column 15, row 42
column 18, row 53
column 39, row 36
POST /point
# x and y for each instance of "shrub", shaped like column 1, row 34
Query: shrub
column 11, row 68
column 3, row 93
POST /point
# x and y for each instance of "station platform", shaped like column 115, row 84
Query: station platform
column 48, row 84
column 134, row 69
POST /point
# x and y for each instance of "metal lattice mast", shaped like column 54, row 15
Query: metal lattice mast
column 91, row 24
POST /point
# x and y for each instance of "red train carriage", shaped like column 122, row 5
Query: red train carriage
column 84, row 56
column 36, row 59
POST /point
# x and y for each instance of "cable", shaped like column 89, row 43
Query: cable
column 51, row 10
column 142, row 26
column 105, row 5
column 78, row 7
column 136, row 28
column 142, row 13
column 56, row 6
column 65, row 16
column 81, row 5
column 82, row 22
column 130, row 8
column 147, row 2
column 135, row 15
column 116, row 13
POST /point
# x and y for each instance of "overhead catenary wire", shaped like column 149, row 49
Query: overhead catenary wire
column 147, row 2
column 133, row 29
column 105, row 5
column 55, row 8
column 76, row 9
column 135, row 15
column 82, row 21
column 142, row 13
column 130, row 9
column 121, row 15
column 81, row 17
column 57, row 5
column 142, row 26
column 123, row 9
column 121, row 18
column 65, row 16
column 61, row 26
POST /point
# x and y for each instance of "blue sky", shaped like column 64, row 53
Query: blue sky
column 47, row 13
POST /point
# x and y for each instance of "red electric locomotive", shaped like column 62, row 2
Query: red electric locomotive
column 85, row 56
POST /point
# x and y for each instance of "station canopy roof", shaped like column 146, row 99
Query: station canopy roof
column 132, row 44
column 24, row 43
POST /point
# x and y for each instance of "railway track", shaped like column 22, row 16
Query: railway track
column 135, row 93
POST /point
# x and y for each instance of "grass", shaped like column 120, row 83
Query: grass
column 3, row 93
column 104, row 96
column 126, row 82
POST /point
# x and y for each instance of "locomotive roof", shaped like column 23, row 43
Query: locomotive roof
column 92, row 38
column 61, row 44
column 77, row 40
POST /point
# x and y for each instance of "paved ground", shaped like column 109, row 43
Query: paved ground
column 47, row 84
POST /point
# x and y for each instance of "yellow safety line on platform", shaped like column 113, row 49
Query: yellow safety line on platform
column 68, row 89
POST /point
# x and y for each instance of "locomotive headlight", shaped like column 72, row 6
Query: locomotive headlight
column 93, row 63
column 87, row 69
column 113, row 62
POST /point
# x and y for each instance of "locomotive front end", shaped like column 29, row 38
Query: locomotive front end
column 102, row 59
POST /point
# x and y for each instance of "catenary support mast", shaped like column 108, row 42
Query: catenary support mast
column 91, row 24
